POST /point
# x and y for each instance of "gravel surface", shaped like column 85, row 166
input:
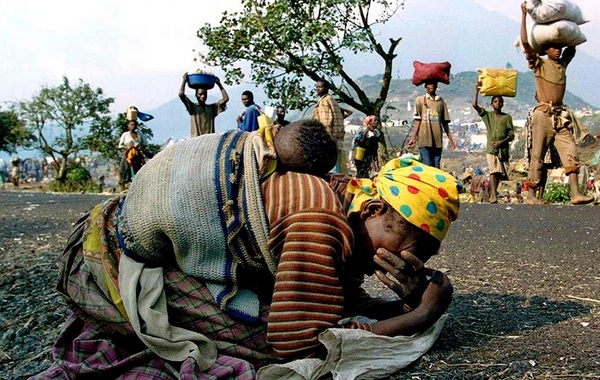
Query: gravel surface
column 526, row 279
column 34, row 228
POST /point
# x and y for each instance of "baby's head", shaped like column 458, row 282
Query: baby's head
column 305, row 146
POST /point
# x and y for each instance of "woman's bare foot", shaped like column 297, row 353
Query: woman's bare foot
column 581, row 200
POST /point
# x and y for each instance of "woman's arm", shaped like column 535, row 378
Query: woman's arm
column 122, row 142
column 346, row 112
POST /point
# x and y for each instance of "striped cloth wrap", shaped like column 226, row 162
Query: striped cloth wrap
column 198, row 205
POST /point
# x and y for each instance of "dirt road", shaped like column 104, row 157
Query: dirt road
column 526, row 279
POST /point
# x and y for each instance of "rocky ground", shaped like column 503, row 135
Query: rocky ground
column 526, row 279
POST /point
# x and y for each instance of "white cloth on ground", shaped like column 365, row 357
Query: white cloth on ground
column 357, row 354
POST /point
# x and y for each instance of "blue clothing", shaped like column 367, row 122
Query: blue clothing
column 250, row 119
column 431, row 156
column 369, row 164
column 375, row 137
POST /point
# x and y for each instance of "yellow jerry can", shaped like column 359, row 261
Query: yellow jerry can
column 131, row 113
column 501, row 82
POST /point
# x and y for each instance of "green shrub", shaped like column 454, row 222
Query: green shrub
column 78, row 180
column 557, row 193
column 560, row 192
column 78, row 174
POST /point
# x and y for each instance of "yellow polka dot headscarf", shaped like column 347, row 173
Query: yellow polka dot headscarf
column 425, row 196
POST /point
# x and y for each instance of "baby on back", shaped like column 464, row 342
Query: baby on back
column 303, row 146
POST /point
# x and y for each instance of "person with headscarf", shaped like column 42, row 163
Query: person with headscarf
column 205, row 268
column 365, row 146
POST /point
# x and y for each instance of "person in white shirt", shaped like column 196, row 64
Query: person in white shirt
column 133, row 144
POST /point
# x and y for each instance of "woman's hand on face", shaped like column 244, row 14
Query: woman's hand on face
column 405, row 275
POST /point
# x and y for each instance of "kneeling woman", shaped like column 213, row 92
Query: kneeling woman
column 204, row 269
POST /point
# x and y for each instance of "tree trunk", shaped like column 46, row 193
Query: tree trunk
column 62, row 172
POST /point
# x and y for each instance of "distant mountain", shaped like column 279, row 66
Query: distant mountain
column 469, row 37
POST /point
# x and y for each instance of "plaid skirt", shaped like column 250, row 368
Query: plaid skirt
column 98, row 339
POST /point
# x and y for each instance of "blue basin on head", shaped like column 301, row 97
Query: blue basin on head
column 205, row 81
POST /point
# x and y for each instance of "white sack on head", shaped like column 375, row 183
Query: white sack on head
column 566, row 33
column 548, row 11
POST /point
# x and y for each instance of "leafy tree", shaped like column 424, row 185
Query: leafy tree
column 288, row 41
column 104, row 137
column 58, row 115
column 13, row 133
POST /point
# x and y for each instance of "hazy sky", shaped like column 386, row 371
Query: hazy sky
column 135, row 50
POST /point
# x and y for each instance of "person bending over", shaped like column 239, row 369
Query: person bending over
column 205, row 266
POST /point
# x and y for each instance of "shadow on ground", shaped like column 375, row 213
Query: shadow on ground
column 500, row 336
column 476, row 318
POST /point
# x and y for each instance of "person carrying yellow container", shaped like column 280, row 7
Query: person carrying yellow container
column 500, row 132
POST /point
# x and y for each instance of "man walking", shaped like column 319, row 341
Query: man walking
column 552, row 121
column 328, row 112
column 431, row 119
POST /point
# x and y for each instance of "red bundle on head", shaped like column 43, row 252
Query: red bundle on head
column 431, row 72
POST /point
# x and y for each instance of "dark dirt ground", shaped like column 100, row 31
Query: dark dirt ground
column 526, row 280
